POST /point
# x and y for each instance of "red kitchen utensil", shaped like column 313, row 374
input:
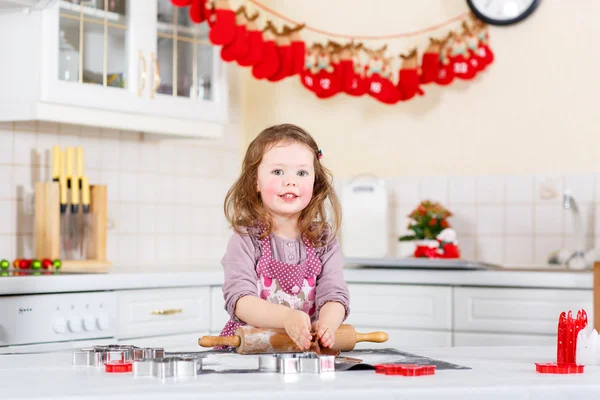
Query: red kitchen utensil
column 405, row 369
column 118, row 366
column 554, row 368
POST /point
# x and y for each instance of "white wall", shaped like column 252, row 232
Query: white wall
column 533, row 111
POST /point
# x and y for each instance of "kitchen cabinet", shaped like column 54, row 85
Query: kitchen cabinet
column 516, row 311
column 156, row 312
column 126, row 64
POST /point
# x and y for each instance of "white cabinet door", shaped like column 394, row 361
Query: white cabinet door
column 157, row 312
column 462, row 339
column 187, row 342
column 400, row 306
column 187, row 76
column 218, row 315
column 402, row 339
column 516, row 310
column 91, row 54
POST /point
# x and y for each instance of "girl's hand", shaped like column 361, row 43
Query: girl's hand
column 297, row 326
column 325, row 333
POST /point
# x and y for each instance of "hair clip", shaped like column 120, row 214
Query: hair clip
column 320, row 154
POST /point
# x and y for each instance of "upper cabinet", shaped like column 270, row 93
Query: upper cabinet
column 127, row 64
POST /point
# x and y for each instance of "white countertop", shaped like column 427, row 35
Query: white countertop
column 496, row 373
column 119, row 278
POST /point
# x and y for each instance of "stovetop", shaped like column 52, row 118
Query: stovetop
column 7, row 273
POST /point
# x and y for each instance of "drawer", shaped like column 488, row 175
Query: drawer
column 516, row 310
column 155, row 312
column 218, row 315
column 502, row 339
column 400, row 306
column 402, row 339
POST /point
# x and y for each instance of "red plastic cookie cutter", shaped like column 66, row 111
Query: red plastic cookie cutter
column 553, row 368
column 118, row 366
column 405, row 369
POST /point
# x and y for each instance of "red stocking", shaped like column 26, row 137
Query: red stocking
column 239, row 47
column 298, row 51
column 409, row 83
column 328, row 84
column 462, row 67
column 269, row 63
column 255, row 51
column 430, row 67
column 284, row 49
column 224, row 29
column 198, row 11
column 445, row 74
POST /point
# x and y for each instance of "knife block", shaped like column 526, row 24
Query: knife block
column 47, row 228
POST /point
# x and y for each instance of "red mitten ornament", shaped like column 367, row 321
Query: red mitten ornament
column 284, row 49
column 239, row 47
column 270, row 62
column 430, row 65
column 255, row 44
column 409, row 82
column 446, row 68
column 224, row 29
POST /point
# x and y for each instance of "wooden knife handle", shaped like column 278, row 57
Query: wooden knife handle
column 377, row 337
column 212, row 341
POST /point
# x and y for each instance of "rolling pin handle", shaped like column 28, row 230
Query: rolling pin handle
column 377, row 337
column 213, row 341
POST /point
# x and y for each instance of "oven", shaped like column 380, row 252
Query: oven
column 55, row 321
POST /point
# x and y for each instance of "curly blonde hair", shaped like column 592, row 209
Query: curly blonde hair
column 243, row 206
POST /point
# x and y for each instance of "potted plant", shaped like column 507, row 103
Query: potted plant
column 431, row 232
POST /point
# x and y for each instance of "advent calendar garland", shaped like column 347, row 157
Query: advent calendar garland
column 333, row 68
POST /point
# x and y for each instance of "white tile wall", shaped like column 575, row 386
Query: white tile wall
column 165, row 196
column 513, row 220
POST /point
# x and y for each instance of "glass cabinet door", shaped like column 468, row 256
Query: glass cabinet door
column 184, row 55
column 93, row 42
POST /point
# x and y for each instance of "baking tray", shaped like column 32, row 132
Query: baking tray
column 420, row 263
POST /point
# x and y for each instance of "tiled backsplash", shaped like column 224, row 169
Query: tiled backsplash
column 165, row 197
column 512, row 220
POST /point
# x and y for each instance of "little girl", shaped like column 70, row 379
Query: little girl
column 283, row 264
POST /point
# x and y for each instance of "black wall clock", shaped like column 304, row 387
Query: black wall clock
column 503, row 12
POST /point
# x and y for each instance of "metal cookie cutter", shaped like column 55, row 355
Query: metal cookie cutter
column 293, row 363
column 316, row 364
column 97, row 356
column 288, row 363
column 180, row 367
column 268, row 363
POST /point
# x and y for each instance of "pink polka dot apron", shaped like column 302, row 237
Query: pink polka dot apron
column 291, row 285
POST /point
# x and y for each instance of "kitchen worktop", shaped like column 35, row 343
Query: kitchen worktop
column 496, row 373
column 119, row 278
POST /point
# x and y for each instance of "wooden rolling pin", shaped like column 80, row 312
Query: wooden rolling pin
column 251, row 340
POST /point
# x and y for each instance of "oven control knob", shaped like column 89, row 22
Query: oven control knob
column 89, row 323
column 59, row 325
column 102, row 322
column 74, row 324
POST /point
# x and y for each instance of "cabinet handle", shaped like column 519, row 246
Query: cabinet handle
column 156, row 76
column 142, row 83
column 170, row 311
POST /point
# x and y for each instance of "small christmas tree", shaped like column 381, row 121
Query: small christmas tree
column 428, row 220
